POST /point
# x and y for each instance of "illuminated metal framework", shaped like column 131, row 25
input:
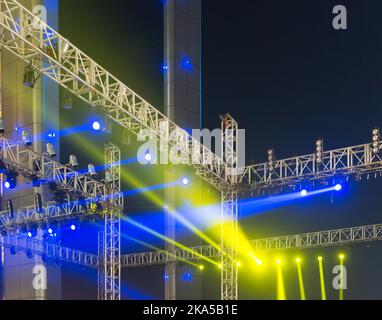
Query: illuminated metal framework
column 356, row 160
column 50, row 250
column 297, row 241
column 30, row 164
column 110, row 245
column 57, row 58
column 229, row 211
column 49, row 53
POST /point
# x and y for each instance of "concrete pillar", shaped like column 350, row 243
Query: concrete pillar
column 36, row 111
column 182, row 69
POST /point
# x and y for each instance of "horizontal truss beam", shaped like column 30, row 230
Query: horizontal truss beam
column 298, row 241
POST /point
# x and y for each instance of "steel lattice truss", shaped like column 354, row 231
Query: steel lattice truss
column 50, row 250
column 30, row 164
column 51, row 211
column 298, row 241
column 346, row 161
column 56, row 57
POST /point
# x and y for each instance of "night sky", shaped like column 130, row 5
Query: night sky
column 287, row 77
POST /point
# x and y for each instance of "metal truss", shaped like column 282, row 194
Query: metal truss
column 49, row 250
column 57, row 58
column 342, row 162
column 109, row 275
column 229, row 212
column 30, row 164
column 51, row 211
column 298, row 241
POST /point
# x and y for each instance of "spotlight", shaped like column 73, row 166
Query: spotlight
column 67, row 101
column 271, row 160
column 25, row 138
column 92, row 170
column 298, row 260
column 29, row 234
column 50, row 150
column 338, row 187
column 50, row 230
column 11, row 182
column 73, row 227
column 30, row 78
column 341, row 256
column 238, row 264
column 96, row 126
column 304, row 192
column 148, row 156
column 278, row 261
column 10, row 211
column 32, row 232
column 186, row 181
column 319, row 258
column 201, row 267
column 376, row 140
column 220, row 266
column 319, row 150
column 73, row 162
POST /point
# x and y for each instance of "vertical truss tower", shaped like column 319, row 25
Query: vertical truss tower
column 109, row 277
column 229, row 211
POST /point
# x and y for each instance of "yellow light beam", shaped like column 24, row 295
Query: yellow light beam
column 154, row 198
column 300, row 280
column 342, row 257
column 322, row 279
column 280, row 282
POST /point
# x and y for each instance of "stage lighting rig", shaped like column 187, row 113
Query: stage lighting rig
column 50, row 150
column 25, row 138
column 271, row 160
column 30, row 76
column 11, row 182
column 67, row 101
column 376, row 140
column 319, row 151
column 10, row 211
column 92, row 171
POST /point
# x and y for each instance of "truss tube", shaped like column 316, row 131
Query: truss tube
column 112, row 231
column 300, row 241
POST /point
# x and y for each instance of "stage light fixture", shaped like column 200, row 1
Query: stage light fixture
column 338, row 187
column 25, row 138
column 50, row 150
column 11, row 182
column 201, row 267
column 304, row 192
column 32, row 230
column 376, row 140
column 67, row 101
column 319, row 258
column 92, row 170
column 341, row 256
column 298, row 260
column 29, row 77
column 38, row 203
column 238, row 264
column 319, row 151
column 271, row 160
column 186, row 181
column 10, row 211
column 73, row 162
column 278, row 261
column 50, row 230
column 96, row 126
column 148, row 156
column 73, row 227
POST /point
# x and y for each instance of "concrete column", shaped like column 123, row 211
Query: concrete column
column 36, row 111
column 182, row 69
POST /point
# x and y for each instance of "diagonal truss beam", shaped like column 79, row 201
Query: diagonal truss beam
column 57, row 58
